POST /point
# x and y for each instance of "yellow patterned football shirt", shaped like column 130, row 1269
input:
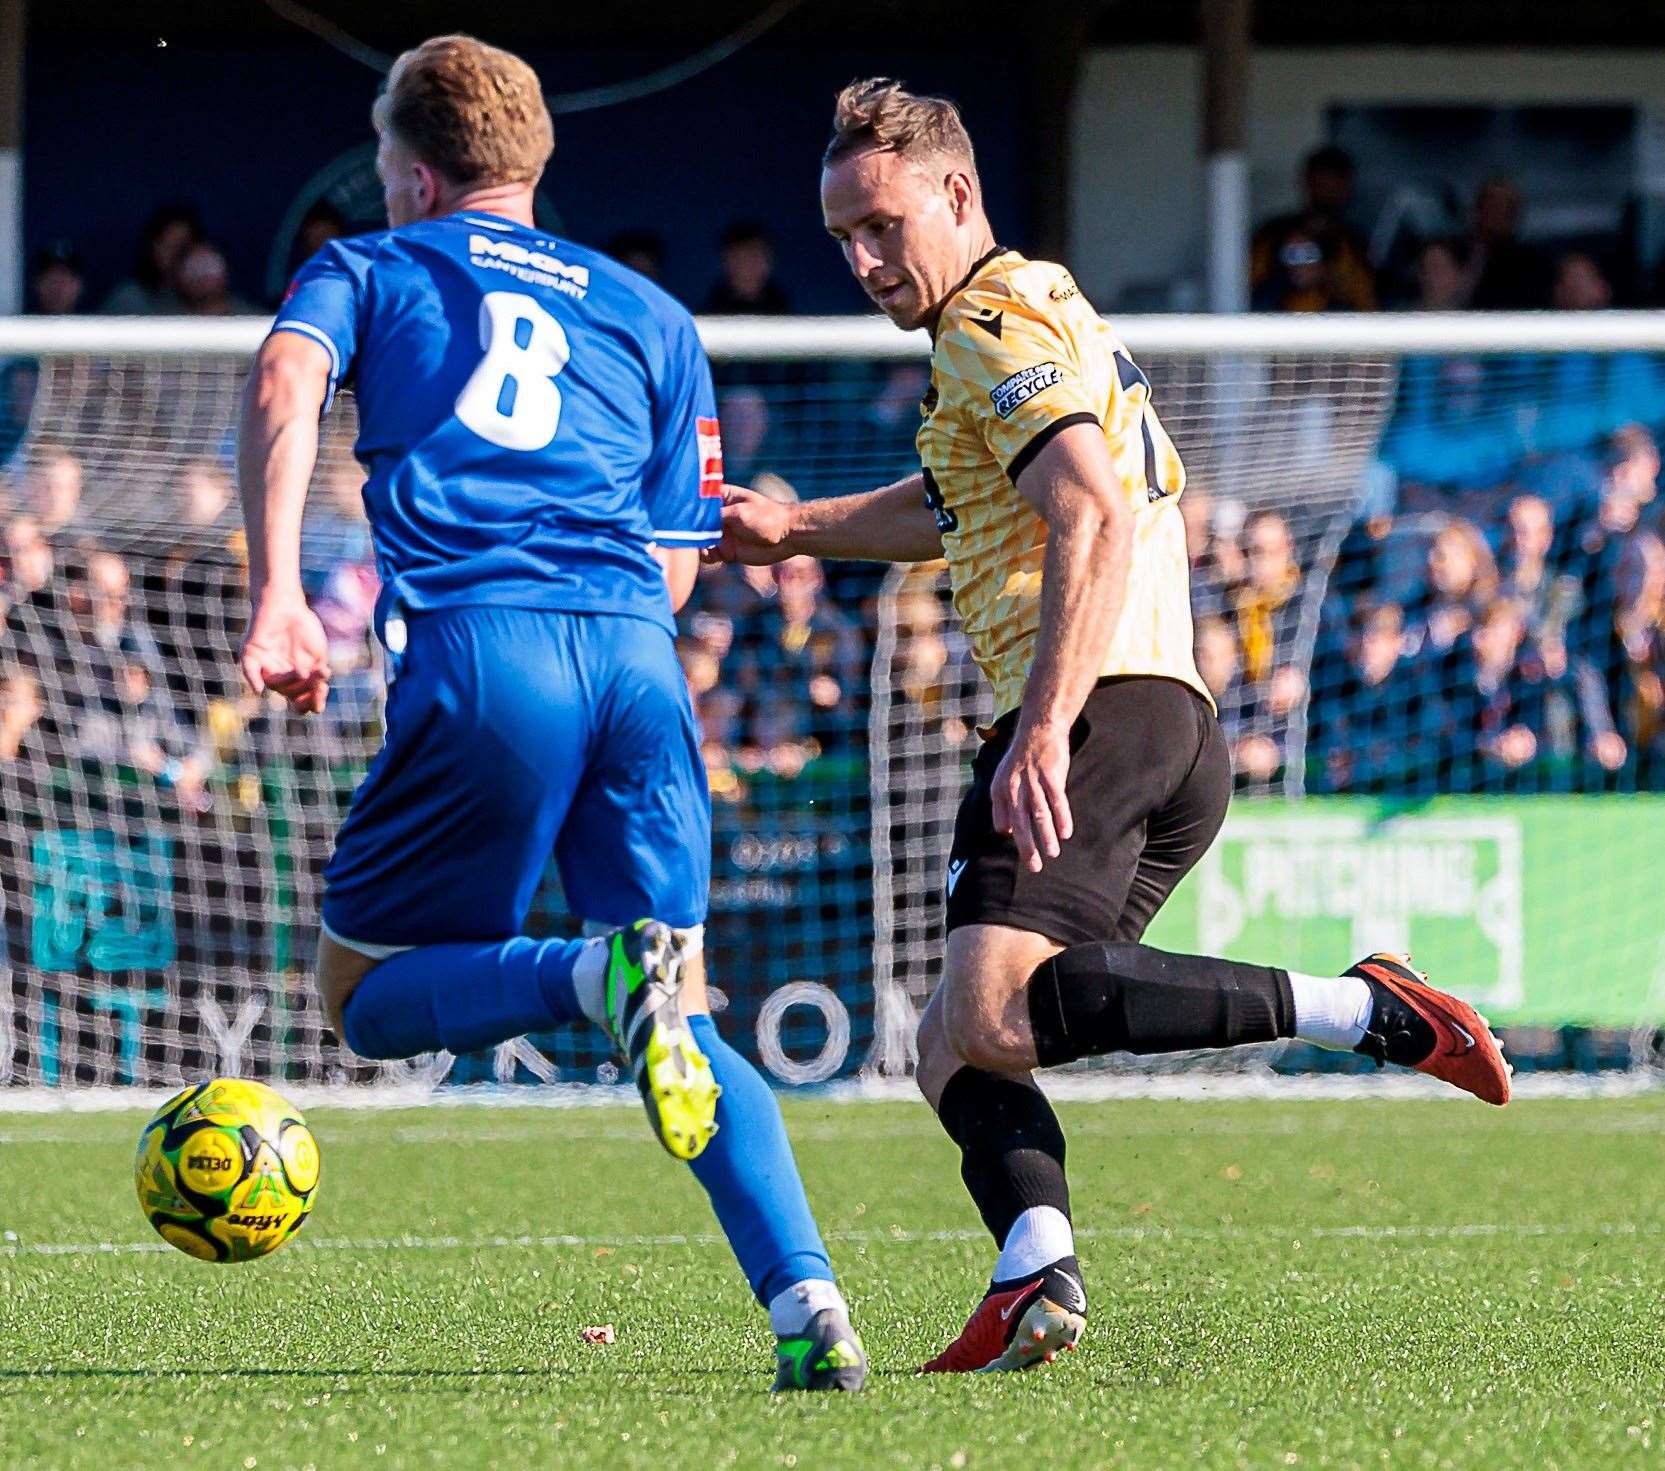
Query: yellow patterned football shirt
column 1020, row 354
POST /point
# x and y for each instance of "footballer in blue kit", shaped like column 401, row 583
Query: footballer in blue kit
column 540, row 435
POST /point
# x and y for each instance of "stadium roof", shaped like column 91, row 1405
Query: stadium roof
column 964, row 24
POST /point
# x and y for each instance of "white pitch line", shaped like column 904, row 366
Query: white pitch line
column 854, row 1126
column 1086, row 1087
column 1375, row 1232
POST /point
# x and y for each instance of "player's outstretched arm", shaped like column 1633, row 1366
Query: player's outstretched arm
column 285, row 648
column 891, row 524
column 1089, row 544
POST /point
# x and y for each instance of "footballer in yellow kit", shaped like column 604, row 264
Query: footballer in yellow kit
column 1049, row 485
column 1020, row 356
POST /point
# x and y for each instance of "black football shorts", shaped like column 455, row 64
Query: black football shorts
column 1148, row 785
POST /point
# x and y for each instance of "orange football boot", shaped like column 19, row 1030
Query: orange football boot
column 1465, row 1054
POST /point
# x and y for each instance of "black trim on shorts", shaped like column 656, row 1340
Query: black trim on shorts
column 1026, row 455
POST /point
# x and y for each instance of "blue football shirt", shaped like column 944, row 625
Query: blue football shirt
column 532, row 415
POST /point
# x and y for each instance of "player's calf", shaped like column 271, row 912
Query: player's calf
column 1012, row 1162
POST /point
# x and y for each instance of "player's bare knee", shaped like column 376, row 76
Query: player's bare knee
column 978, row 1028
column 936, row 1061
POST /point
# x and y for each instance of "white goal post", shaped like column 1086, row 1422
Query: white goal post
column 161, row 836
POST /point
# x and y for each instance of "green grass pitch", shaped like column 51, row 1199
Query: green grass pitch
column 1297, row 1283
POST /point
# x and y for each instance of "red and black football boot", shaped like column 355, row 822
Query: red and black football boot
column 1418, row 1027
column 1017, row 1327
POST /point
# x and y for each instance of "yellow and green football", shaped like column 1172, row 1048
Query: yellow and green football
column 227, row 1170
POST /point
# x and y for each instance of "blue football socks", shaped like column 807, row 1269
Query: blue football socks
column 748, row 1171
column 462, row 997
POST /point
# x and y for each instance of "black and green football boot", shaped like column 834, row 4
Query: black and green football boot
column 643, row 995
column 826, row 1355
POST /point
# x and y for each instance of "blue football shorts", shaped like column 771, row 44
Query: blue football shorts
column 514, row 735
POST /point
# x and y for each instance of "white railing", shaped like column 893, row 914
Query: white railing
column 751, row 338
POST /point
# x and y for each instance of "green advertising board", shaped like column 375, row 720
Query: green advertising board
column 1542, row 910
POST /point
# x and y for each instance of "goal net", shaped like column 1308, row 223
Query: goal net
column 1363, row 497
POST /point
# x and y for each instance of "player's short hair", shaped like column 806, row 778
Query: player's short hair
column 472, row 111
column 882, row 114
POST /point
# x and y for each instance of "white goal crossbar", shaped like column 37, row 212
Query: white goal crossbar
column 751, row 339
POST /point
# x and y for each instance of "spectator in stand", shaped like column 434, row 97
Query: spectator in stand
column 1256, row 754
column 1216, row 559
column 150, row 290
column 56, row 282
column 1266, row 608
column 1302, row 278
column 29, row 567
column 136, row 724
column 1379, row 728
column 20, row 711
column 747, row 286
column 52, row 493
column 1633, row 463
column 322, row 223
column 1567, row 708
column 1443, row 283
column 205, row 500
column 1329, row 262
column 1501, row 732
column 1530, row 704
column 1580, row 284
column 931, row 684
column 801, row 672
column 1528, row 574
column 744, row 412
column 1641, row 626
column 1601, row 546
column 643, row 251
column 100, row 604
column 202, row 282
column 717, row 711
column 1462, row 581
column 1506, row 275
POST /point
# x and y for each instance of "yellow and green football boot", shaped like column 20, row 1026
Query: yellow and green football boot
column 643, row 995
column 826, row 1355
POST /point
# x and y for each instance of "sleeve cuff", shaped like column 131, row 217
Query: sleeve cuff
column 690, row 538
column 1026, row 455
column 324, row 340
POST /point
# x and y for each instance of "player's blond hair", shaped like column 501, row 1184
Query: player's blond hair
column 882, row 114
column 470, row 110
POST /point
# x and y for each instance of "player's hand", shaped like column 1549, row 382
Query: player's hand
column 1029, row 798
column 286, row 651
column 755, row 529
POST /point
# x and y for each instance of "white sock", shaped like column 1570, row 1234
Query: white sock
column 1330, row 1011
column 1038, row 1238
column 791, row 1310
column 589, row 976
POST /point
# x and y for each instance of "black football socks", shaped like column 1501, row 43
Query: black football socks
column 1114, row 996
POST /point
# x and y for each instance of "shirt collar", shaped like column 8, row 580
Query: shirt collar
column 966, row 280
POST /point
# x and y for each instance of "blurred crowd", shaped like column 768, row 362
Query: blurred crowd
column 117, row 653
column 1316, row 259
column 1512, row 641
column 1493, row 620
